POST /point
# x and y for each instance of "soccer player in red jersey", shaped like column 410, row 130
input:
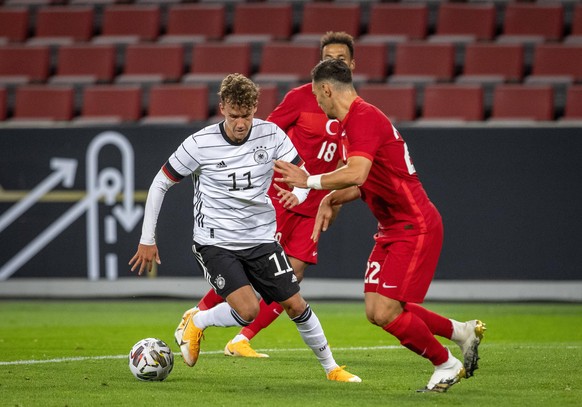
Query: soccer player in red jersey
column 316, row 138
column 402, row 263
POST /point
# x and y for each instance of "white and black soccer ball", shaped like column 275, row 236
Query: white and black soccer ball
column 151, row 359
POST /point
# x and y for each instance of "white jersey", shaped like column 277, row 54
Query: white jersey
column 231, row 206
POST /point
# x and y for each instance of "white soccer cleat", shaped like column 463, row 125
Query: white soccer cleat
column 468, row 336
column 445, row 375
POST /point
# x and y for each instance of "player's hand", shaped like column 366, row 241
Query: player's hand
column 291, row 174
column 286, row 198
column 325, row 214
column 143, row 259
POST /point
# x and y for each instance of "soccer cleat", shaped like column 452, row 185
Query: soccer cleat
column 187, row 314
column 242, row 349
column 339, row 374
column 445, row 375
column 468, row 336
column 188, row 337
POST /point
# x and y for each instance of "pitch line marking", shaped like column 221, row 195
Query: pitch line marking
column 212, row 352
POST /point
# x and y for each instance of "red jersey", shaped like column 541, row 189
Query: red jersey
column 315, row 137
column 392, row 190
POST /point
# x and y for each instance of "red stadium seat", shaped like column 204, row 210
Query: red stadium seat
column 14, row 23
column 111, row 103
column 576, row 26
column 396, row 22
column 492, row 63
column 523, row 102
column 63, row 25
column 287, row 62
column 196, row 23
column 179, row 103
column 40, row 102
column 129, row 24
column 214, row 60
column 557, row 63
column 532, row 22
column 421, row 62
column 371, row 62
column 152, row 63
column 319, row 18
column 453, row 102
column 262, row 21
column 268, row 100
column 468, row 22
column 84, row 64
column 24, row 64
column 397, row 102
column 573, row 109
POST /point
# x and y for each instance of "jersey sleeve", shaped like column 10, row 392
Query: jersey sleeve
column 183, row 161
column 286, row 150
column 366, row 140
column 287, row 112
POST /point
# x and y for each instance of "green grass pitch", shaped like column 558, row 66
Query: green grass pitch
column 74, row 353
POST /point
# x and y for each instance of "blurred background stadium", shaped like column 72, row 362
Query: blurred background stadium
column 95, row 94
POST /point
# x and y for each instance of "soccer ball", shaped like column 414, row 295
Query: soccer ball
column 151, row 359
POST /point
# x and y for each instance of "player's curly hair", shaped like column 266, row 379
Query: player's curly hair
column 238, row 90
column 337, row 37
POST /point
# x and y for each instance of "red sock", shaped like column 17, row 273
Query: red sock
column 267, row 314
column 437, row 324
column 210, row 300
column 415, row 335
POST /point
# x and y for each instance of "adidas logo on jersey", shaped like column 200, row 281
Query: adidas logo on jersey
column 221, row 165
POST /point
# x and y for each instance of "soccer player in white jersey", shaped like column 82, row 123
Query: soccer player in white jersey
column 231, row 163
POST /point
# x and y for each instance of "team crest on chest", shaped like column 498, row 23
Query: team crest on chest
column 260, row 155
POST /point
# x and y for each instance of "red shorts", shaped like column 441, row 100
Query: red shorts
column 403, row 267
column 294, row 233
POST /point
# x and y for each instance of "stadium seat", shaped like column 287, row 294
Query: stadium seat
column 465, row 22
column 396, row 22
column 111, row 103
column 573, row 108
column 261, row 22
column 3, row 103
column 268, row 100
column 84, row 64
column 287, row 63
column 24, row 64
column 490, row 62
column 371, row 62
column 525, row 22
column 129, row 24
column 214, row 60
column 397, row 102
column 453, row 102
column 421, row 63
column 42, row 102
column 152, row 63
column 575, row 35
column 319, row 18
column 177, row 103
column 556, row 63
column 63, row 25
column 195, row 23
column 14, row 24
column 522, row 102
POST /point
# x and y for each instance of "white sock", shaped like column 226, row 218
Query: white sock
column 221, row 315
column 312, row 334
column 238, row 338
column 458, row 330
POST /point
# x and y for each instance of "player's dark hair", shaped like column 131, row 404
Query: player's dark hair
column 337, row 37
column 332, row 70
column 238, row 90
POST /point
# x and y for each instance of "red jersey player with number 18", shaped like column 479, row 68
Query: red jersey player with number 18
column 316, row 138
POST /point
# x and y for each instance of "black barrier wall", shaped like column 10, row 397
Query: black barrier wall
column 71, row 200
